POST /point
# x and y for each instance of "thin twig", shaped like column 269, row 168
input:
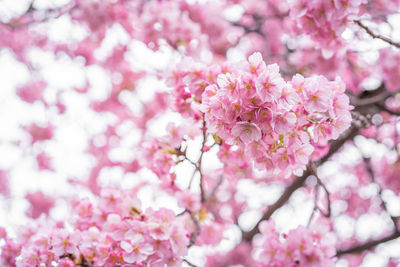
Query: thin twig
column 317, row 186
column 214, row 190
column 315, row 205
column 52, row 13
column 313, row 169
column 248, row 29
column 328, row 198
column 189, row 263
column 377, row 36
column 384, row 205
column 196, row 233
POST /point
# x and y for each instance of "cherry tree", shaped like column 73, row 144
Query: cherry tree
column 200, row 133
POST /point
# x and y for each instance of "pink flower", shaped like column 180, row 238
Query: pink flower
column 65, row 243
column 189, row 201
column 32, row 91
column 246, row 131
column 39, row 203
column 270, row 84
column 228, row 82
column 318, row 99
column 284, row 122
column 44, row 161
column 302, row 153
column 211, row 234
column 39, row 133
column 256, row 63
column 136, row 251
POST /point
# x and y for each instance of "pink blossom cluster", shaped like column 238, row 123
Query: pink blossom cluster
column 276, row 122
column 348, row 65
column 114, row 232
column 299, row 247
column 161, row 154
column 387, row 173
column 40, row 133
column 237, row 256
column 163, row 20
column 389, row 60
column 221, row 34
column 189, row 78
column 39, row 204
column 324, row 21
column 99, row 16
column 379, row 9
column 32, row 91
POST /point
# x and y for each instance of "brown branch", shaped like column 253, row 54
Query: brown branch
column 368, row 245
column 384, row 205
column 358, row 102
column 328, row 198
column 315, row 205
column 214, row 190
column 196, row 233
column 377, row 36
column 384, row 108
column 52, row 13
column 372, row 243
column 248, row 29
column 313, row 169
column 204, row 130
column 298, row 182
column 189, row 263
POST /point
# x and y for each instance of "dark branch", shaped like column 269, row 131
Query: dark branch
column 383, row 203
column 376, row 36
column 204, row 130
column 248, row 29
column 298, row 182
column 381, row 96
column 189, row 263
column 196, row 233
column 313, row 169
column 368, row 245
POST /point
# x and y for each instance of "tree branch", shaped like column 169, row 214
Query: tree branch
column 189, row 263
column 196, row 233
column 377, row 36
column 377, row 98
column 368, row 245
column 313, row 169
column 204, row 130
column 298, row 182
column 384, row 205
column 214, row 190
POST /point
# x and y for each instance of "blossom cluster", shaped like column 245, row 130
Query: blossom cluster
column 387, row 173
column 164, row 20
column 161, row 154
column 276, row 122
column 299, row 247
column 325, row 21
column 389, row 61
column 114, row 232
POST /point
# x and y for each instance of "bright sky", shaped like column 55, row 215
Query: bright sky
column 73, row 129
